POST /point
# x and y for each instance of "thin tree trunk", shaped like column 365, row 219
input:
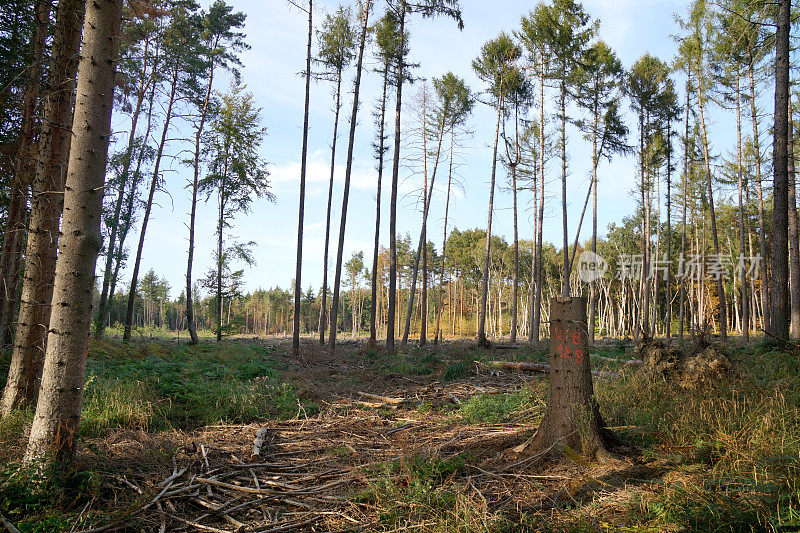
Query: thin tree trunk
column 141, row 93
column 741, row 185
column 762, row 230
column 513, row 164
column 220, row 227
column 301, row 207
column 669, row 230
column 346, row 192
column 390, row 320
column 537, row 313
column 794, row 241
column 55, row 425
column 563, row 99
column 682, row 303
column 324, row 309
column 444, row 241
column 126, row 336
column 723, row 324
column 190, row 320
column 373, row 334
column 485, row 279
column 421, row 251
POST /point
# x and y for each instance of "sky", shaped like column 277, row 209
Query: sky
column 276, row 32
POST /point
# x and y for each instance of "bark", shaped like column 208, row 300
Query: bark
column 762, row 230
column 723, row 325
column 298, row 291
column 444, row 241
column 794, row 241
column 346, row 192
column 190, row 320
column 14, row 238
column 742, row 186
column 27, row 358
column 323, row 319
column 373, row 333
column 779, row 323
column 572, row 418
column 487, row 251
column 390, row 319
column 126, row 336
column 55, row 425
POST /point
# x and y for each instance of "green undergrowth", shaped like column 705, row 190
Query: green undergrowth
column 155, row 385
column 527, row 403
column 44, row 500
column 430, row 491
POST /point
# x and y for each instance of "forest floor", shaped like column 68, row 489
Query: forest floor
column 420, row 441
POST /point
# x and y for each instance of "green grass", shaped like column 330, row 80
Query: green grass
column 178, row 385
column 496, row 408
column 157, row 385
column 148, row 386
column 743, row 436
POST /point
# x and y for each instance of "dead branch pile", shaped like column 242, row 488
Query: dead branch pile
column 701, row 366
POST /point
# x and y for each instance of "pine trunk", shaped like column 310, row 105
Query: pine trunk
column 298, row 291
column 190, row 319
column 391, row 313
column 323, row 313
column 482, row 341
column 346, row 192
column 55, row 425
column 373, row 332
column 126, row 336
column 794, row 241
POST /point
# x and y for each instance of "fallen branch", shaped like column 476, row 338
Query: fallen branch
column 231, row 486
column 8, row 525
column 781, row 340
column 626, row 362
column 518, row 366
column 384, row 399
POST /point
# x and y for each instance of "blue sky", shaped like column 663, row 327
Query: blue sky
column 276, row 32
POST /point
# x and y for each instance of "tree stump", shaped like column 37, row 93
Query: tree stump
column 572, row 419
